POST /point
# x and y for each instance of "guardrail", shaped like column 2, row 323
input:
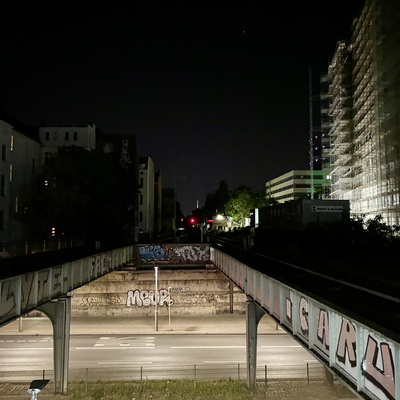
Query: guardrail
column 9, row 250
column 306, row 372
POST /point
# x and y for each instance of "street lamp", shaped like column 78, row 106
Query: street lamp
column 156, row 300
column 169, row 308
column 36, row 386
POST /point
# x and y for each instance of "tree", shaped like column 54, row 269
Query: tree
column 78, row 193
column 262, row 200
column 240, row 205
column 215, row 202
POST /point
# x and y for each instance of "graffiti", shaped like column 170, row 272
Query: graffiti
column 347, row 343
column 323, row 328
column 304, row 316
column 100, row 301
column 173, row 254
column 381, row 378
column 125, row 157
column 181, row 289
column 154, row 252
column 191, row 253
column 146, row 298
column 289, row 305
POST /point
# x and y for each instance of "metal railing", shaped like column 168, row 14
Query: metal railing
column 305, row 372
column 9, row 250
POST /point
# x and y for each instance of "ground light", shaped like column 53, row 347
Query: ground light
column 36, row 386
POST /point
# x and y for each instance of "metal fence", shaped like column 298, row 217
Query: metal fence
column 8, row 250
column 306, row 372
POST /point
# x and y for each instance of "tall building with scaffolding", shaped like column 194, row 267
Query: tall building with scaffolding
column 364, row 114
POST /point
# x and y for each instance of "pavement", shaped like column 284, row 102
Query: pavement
column 135, row 325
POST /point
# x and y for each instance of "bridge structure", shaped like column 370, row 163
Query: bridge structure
column 353, row 331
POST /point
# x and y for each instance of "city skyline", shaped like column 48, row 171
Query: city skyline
column 210, row 94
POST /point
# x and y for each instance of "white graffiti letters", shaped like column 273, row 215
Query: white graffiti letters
column 323, row 328
column 304, row 315
column 384, row 379
column 191, row 253
column 347, row 343
column 146, row 298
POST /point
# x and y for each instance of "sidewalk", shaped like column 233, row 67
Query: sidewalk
column 212, row 324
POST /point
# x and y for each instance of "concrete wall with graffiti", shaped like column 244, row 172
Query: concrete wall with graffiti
column 363, row 356
column 176, row 254
column 130, row 292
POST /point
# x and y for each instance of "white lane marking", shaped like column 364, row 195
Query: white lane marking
column 282, row 346
column 104, row 338
column 124, row 362
column 225, row 362
column 99, row 344
column 26, row 348
column 114, row 348
column 207, row 347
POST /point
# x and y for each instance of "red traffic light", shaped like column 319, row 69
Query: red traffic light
column 192, row 220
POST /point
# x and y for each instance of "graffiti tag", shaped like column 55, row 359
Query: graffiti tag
column 146, row 298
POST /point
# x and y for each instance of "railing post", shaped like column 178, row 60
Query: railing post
column 141, row 374
column 265, row 375
column 238, row 371
column 308, row 375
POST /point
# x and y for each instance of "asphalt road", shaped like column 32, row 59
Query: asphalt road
column 19, row 353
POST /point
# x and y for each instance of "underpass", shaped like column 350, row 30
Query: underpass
column 360, row 347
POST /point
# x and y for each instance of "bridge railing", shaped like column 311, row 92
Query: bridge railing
column 307, row 372
column 8, row 250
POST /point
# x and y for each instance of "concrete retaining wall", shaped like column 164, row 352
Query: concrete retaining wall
column 129, row 292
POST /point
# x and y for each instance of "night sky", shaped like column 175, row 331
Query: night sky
column 211, row 91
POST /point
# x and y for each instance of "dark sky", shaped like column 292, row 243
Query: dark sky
column 211, row 91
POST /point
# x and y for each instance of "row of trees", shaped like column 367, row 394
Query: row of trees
column 80, row 193
column 236, row 204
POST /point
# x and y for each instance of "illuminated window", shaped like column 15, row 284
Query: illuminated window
column 11, row 173
column 12, row 143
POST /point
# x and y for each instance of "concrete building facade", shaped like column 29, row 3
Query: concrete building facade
column 20, row 155
column 146, row 198
column 365, row 156
column 298, row 184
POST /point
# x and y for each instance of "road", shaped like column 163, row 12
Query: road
column 94, row 351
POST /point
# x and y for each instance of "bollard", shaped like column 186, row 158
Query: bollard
column 308, row 375
column 265, row 375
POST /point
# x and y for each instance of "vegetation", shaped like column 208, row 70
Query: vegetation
column 153, row 390
column 79, row 193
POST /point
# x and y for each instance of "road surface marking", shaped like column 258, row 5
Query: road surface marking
column 124, row 362
column 207, row 347
column 282, row 346
column 225, row 362
column 114, row 348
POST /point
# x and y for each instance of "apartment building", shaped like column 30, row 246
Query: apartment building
column 365, row 112
column 298, row 184
column 20, row 154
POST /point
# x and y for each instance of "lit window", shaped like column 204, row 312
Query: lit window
column 11, row 173
column 12, row 143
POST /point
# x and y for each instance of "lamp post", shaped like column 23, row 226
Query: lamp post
column 169, row 308
column 156, row 300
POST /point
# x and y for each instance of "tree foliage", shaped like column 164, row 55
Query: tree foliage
column 240, row 204
column 79, row 193
column 215, row 202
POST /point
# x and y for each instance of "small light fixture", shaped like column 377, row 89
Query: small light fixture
column 36, row 386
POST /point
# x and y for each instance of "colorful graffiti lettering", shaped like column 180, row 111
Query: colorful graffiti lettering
column 146, row 298
column 171, row 254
